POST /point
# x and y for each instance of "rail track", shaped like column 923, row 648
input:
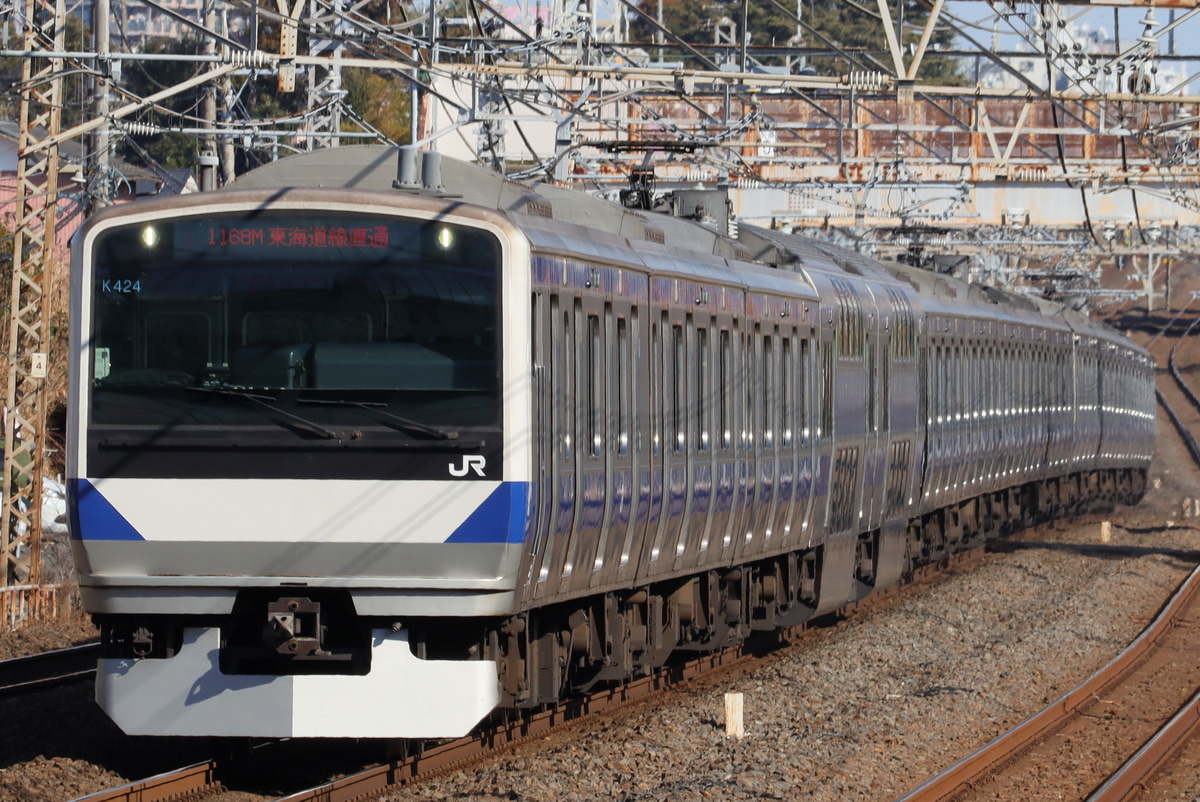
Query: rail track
column 197, row 781
column 1147, row 699
column 1113, row 711
column 1179, row 399
column 23, row 674
column 424, row 759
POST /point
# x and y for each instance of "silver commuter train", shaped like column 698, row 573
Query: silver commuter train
column 355, row 457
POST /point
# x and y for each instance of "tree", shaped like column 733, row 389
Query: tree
column 381, row 98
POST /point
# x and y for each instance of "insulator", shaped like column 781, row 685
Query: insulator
column 141, row 129
column 867, row 81
column 249, row 58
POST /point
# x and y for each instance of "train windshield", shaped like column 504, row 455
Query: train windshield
column 328, row 318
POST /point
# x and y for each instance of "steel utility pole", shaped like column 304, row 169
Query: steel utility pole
column 32, row 289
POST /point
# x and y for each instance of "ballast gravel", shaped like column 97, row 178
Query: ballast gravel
column 866, row 710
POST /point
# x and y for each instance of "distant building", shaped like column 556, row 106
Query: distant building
column 135, row 22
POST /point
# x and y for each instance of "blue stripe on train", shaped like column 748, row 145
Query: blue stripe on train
column 93, row 517
column 499, row 519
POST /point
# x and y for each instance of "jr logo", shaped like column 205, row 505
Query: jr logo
column 471, row 462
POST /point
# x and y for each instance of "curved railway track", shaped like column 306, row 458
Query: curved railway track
column 1110, row 708
column 34, row 672
column 1186, row 419
column 197, row 781
column 426, row 759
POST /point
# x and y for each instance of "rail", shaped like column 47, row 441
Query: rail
column 1131, row 779
column 188, row 782
column 977, row 766
column 1189, row 439
column 22, row 674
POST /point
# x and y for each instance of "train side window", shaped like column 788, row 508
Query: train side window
column 1018, row 391
column 953, row 385
column 971, row 372
column 936, row 391
column 623, row 386
column 767, row 421
column 746, row 432
column 703, row 389
column 1065, row 390
column 965, row 386
column 849, row 332
column 1043, row 380
column 976, row 396
column 788, row 396
column 984, row 356
column 750, row 407
column 1023, row 378
column 1031, row 379
column 949, row 403
column 947, row 386
column 724, row 423
column 1035, row 375
column 595, row 386
column 656, row 389
column 943, row 385
column 872, row 389
column 678, row 390
column 967, row 374
column 1001, row 382
column 566, row 384
column 989, row 381
column 827, row 363
column 902, row 344
column 1014, row 358
column 979, row 406
column 1006, row 385
column 803, row 396
column 885, row 375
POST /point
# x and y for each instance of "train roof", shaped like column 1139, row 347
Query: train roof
column 378, row 168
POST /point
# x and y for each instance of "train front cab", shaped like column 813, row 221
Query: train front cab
column 262, row 511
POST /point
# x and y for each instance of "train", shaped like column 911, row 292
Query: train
column 377, row 444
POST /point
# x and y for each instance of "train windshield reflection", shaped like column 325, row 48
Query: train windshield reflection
column 370, row 313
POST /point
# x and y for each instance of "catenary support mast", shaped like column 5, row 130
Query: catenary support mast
column 31, row 292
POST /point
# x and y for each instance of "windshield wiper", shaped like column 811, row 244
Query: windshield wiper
column 373, row 407
column 269, row 403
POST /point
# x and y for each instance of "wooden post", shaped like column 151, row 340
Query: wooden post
column 733, row 715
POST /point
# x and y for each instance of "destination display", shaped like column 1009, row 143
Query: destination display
column 313, row 236
column 304, row 236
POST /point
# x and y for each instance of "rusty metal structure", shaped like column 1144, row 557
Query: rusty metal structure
column 30, row 294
